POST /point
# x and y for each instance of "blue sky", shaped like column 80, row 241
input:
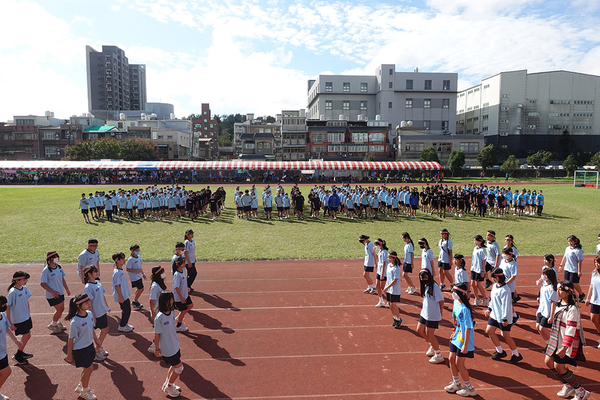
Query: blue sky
column 256, row 55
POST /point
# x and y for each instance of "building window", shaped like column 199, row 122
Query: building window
column 49, row 136
column 409, row 103
column 346, row 86
column 444, row 125
column 391, row 85
column 328, row 105
column 390, row 104
column 363, row 106
column 409, row 84
column 504, row 108
column 377, row 137
column 335, row 137
column 505, row 96
column 469, row 147
column 427, row 84
column 445, row 103
column 391, row 71
column 427, row 103
column 359, row 137
column 346, row 105
column 329, row 86
column 446, row 85
column 364, row 87
column 414, row 147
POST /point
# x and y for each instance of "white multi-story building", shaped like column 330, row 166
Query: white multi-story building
column 524, row 113
column 293, row 134
column 426, row 98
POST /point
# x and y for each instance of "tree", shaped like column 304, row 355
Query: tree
column 540, row 158
column 456, row 161
column 510, row 165
column 570, row 165
column 369, row 157
column 595, row 160
column 429, row 155
column 487, row 156
column 125, row 149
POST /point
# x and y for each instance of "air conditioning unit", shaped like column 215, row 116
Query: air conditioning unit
column 519, row 127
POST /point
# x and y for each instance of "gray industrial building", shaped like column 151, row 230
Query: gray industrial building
column 426, row 98
column 114, row 84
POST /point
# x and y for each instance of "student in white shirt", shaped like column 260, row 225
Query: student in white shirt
column 121, row 291
column 407, row 266
column 80, row 347
column 190, row 258
column 593, row 296
column 431, row 314
column 572, row 262
column 167, row 342
column 460, row 273
column 392, row 288
column 547, row 303
column 478, row 272
column 136, row 274
column 18, row 312
column 95, row 291
column 54, row 284
column 445, row 257
column 5, row 330
column 426, row 256
column 158, row 286
column 382, row 262
column 183, row 302
column 369, row 263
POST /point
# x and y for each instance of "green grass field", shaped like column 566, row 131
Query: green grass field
column 37, row 219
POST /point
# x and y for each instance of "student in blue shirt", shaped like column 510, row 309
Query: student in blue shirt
column 5, row 330
column 18, row 312
column 54, row 284
column 84, row 207
column 462, row 343
column 167, row 343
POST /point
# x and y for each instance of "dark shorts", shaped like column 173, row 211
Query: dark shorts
column 254, row 208
column 268, row 209
column 594, row 309
column 407, row 267
column 172, row 209
column 84, row 357
column 101, row 322
column 286, row 208
column 58, row 300
column 247, row 208
column 571, row 277
column 92, row 208
column 137, row 284
column 564, row 360
column 4, row 363
column 381, row 278
column 369, row 269
column 392, row 298
column 488, row 267
column 280, row 209
column 84, row 211
column 493, row 322
column 476, row 276
column 445, row 266
column 24, row 327
column 240, row 208
column 543, row 321
column 173, row 360
column 459, row 353
column 375, row 208
column 429, row 324
column 180, row 306
column 414, row 207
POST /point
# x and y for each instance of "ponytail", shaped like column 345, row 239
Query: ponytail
column 75, row 305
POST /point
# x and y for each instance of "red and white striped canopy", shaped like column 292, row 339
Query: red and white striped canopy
column 109, row 165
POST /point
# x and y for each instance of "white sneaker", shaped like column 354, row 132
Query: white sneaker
column 430, row 352
column 151, row 349
column 87, row 395
column 408, row 290
column 581, row 395
column 599, row 344
column 367, row 290
column 126, row 328
column 181, row 328
column 104, row 352
column 464, row 392
column 380, row 304
column 453, row 387
column 478, row 301
column 171, row 391
column 486, row 301
column 79, row 388
column 437, row 358
column 100, row 357
column 566, row 391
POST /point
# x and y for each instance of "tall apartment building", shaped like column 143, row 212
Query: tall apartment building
column 428, row 99
column 293, row 135
column 114, row 84
column 206, row 129
column 524, row 113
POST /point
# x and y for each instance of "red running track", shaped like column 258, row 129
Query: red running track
column 290, row 330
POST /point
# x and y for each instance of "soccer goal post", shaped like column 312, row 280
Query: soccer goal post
column 586, row 178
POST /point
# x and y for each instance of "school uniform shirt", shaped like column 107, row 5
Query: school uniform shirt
column 426, row 260
column 408, row 253
column 572, row 258
column 598, row 248
column 180, row 281
column 510, row 269
column 17, row 299
column 501, row 303
column 119, row 278
column 431, row 304
column 164, row 326
column 382, row 261
column 547, row 296
column 155, row 291
column 83, row 203
column 81, row 331
column 86, row 258
column 4, row 326
column 478, row 259
column 463, row 320
column 445, row 246
column 492, row 251
column 393, row 272
column 96, row 291
column 595, row 283
column 461, row 275
column 369, row 259
column 190, row 247
column 134, row 263
column 54, row 279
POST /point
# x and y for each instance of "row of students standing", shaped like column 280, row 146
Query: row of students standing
column 499, row 305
